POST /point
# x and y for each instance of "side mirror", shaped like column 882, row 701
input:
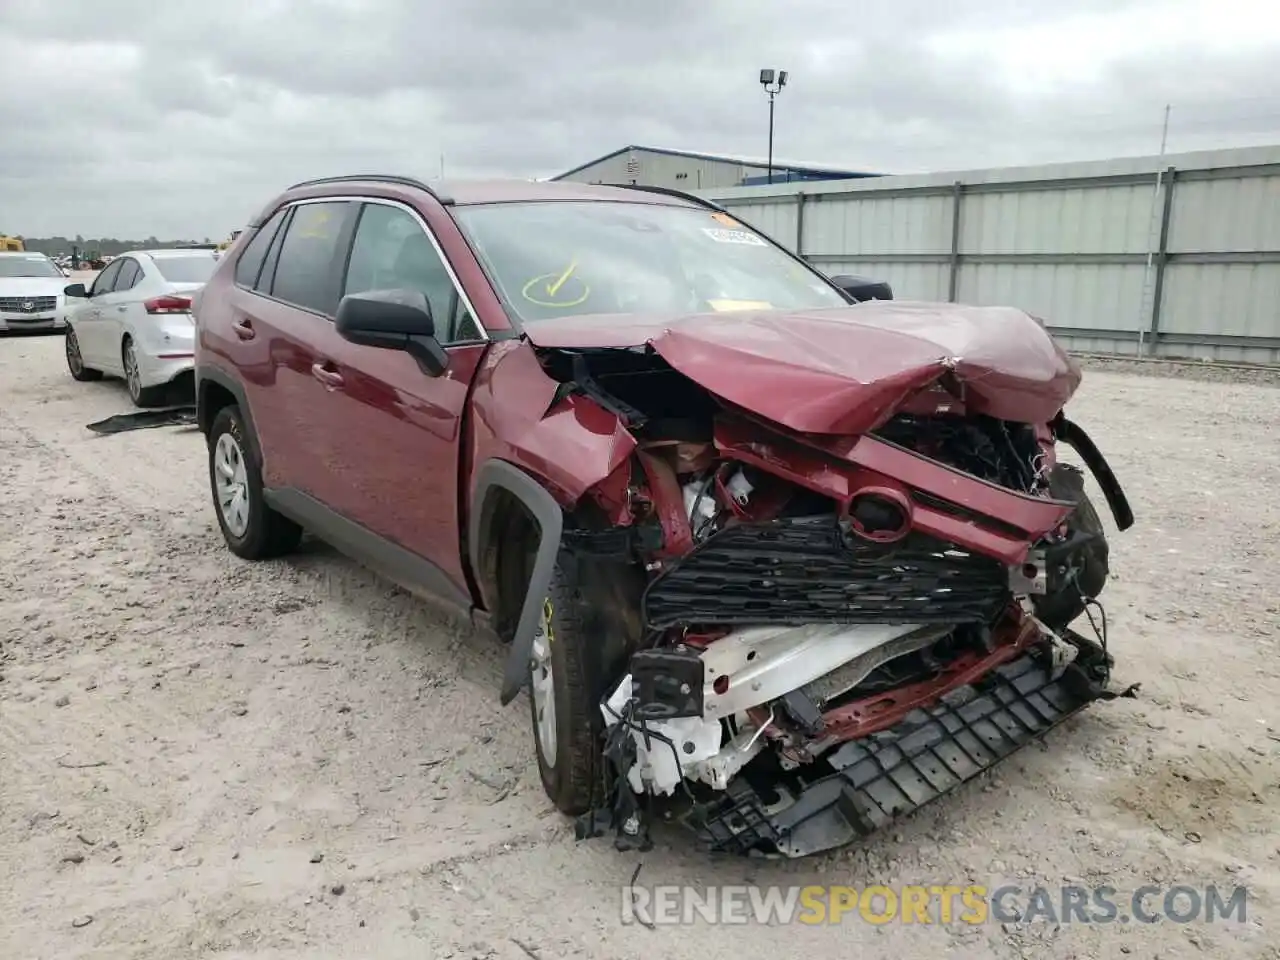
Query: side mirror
column 862, row 288
column 75, row 290
column 393, row 320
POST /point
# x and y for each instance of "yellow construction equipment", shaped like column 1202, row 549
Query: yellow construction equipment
column 228, row 242
column 11, row 245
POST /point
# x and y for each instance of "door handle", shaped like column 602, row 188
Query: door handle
column 121, row 309
column 243, row 329
column 329, row 377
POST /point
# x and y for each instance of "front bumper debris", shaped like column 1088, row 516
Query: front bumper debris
column 862, row 785
column 927, row 754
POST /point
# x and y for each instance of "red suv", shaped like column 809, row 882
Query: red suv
column 784, row 562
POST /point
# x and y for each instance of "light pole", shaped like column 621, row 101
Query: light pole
column 773, row 81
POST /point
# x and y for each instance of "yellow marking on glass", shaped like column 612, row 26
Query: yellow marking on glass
column 553, row 288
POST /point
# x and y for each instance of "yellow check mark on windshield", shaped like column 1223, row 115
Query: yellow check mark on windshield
column 553, row 288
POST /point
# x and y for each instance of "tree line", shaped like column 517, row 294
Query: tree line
column 97, row 246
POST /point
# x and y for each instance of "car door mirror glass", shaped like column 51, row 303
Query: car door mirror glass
column 393, row 320
column 75, row 290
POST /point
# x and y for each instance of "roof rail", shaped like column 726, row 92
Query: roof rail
column 376, row 178
column 671, row 192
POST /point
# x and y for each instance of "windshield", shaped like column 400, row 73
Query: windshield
column 563, row 257
column 28, row 267
column 196, row 269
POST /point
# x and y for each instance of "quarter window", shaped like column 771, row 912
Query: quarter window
column 304, row 273
column 250, row 263
column 391, row 252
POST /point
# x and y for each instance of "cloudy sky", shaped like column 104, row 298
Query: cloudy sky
column 132, row 118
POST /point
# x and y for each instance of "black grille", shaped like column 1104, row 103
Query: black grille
column 809, row 570
column 27, row 304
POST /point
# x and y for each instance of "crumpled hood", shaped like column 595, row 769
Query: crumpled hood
column 845, row 370
column 32, row 286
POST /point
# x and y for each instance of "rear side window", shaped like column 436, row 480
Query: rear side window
column 186, row 269
column 128, row 276
column 250, row 263
column 305, row 272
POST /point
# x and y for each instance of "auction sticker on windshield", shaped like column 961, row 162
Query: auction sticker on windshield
column 733, row 236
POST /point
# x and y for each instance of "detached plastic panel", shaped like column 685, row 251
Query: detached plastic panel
column 929, row 753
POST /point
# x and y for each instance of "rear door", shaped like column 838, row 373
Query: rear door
column 277, row 324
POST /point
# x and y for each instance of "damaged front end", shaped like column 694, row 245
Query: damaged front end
column 836, row 628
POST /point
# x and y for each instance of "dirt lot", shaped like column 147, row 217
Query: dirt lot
column 201, row 757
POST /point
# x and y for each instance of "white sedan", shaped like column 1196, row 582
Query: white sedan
column 31, row 292
column 135, row 321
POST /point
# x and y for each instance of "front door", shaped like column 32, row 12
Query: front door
column 90, row 325
column 114, row 307
column 395, row 432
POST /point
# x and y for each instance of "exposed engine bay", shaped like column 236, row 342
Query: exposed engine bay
column 835, row 629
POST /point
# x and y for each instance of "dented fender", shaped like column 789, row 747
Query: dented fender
column 547, row 451
column 570, row 442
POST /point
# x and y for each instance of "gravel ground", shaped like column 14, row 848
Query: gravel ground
column 203, row 757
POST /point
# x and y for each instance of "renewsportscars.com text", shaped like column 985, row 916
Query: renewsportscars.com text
column 969, row 904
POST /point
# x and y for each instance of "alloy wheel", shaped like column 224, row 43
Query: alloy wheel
column 132, row 375
column 74, row 361
column 231, row 484
column 542, row 686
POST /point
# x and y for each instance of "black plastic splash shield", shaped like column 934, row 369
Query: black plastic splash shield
column 929, row 753
column 145, row 420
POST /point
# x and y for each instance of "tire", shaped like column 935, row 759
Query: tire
column 1057, row 610
column 140, row 395
column 572, row 767
column 258, row 533
column 75, row 363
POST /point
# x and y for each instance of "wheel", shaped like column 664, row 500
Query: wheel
column 252, row 529
column 564, row 698
column 1057, row 610
column 140, row 395
column 75, row 363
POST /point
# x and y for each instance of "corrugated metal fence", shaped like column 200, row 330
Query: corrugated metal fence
column 1177, row 257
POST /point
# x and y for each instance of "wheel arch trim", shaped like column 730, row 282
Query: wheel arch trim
column 496, row 475
column 206, row 375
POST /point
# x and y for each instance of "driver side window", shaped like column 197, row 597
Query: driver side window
column 103, row 281
column 391, row 251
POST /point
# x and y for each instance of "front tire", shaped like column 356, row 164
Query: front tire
column 75, row 362
column 252, row 530
column 564, row 699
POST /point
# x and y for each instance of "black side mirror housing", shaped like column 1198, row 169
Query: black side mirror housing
column 863, row 288
column 393, row 320
column 75, row 290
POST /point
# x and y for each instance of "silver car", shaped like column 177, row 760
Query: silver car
column 134, row 321
column 31, row 296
